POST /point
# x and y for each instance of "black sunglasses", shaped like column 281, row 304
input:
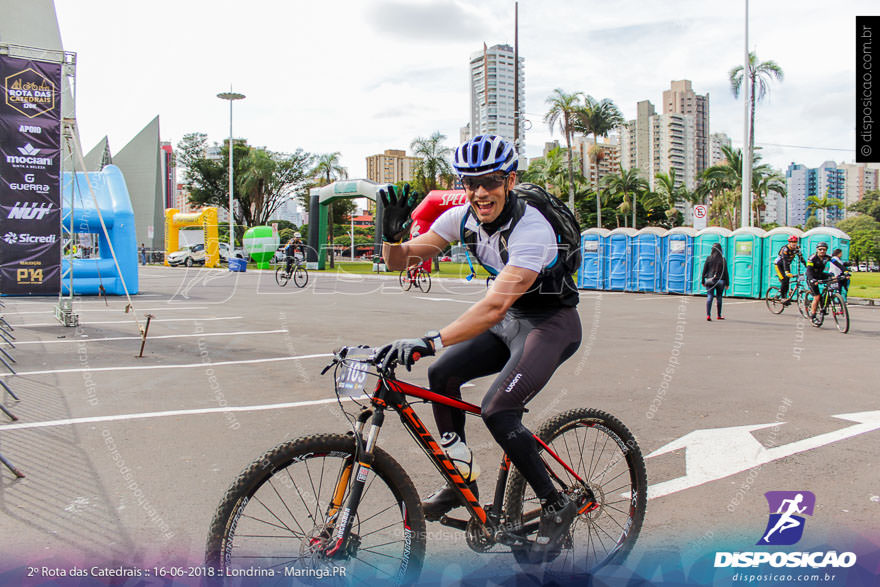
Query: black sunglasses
column 488, row 182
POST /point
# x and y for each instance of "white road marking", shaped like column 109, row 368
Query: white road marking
column 86, row 339
column 153, row 367
column 716, row 453
column 169, row 307
column 89, row 323
column 446, row 300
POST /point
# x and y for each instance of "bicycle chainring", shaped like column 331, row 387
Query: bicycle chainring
column 476, row 540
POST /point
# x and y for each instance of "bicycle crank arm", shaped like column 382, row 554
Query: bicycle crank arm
column 454, row 523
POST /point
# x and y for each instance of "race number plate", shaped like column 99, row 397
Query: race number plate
column 351, row 377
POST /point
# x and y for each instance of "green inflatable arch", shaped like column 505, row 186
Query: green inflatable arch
column 320, row 198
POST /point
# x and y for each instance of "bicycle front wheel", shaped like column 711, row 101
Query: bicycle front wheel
column 804, row 299
column 840, row 313
column 612, row 499
column 280, row 514
column 405, row 282
column 774, row 302
column 281, row 276
column 423, row 281
column 300, row 276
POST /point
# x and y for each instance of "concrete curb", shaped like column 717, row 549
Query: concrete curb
column 870, row 302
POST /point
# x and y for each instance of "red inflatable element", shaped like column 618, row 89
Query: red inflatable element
column 434, row 204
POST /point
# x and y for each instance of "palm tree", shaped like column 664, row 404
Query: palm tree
column 434, row 161
column 548, row 172
column 760, row 75
column 328, row 169
column 626, row 182
column 815, row 203
column 763, row 184
column 258, row 169
column 563, row 109
column 667, row 194
column 597, row 118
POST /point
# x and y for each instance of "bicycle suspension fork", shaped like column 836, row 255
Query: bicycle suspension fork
column 361, row 469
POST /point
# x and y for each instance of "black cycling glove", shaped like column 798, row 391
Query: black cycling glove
column 405, row 351
column 396, row 218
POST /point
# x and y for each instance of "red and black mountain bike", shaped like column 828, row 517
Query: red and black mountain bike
column 327, row 502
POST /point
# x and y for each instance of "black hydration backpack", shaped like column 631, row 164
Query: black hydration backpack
column 555, row 278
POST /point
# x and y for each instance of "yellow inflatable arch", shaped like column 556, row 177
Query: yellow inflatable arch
column 207, row 219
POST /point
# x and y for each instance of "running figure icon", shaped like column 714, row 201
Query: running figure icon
column 786, row 521
column 787, row 516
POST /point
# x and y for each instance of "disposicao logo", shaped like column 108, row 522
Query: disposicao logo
column 787, row 510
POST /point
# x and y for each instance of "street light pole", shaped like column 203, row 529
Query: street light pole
column 746, row 200
column 231, row 96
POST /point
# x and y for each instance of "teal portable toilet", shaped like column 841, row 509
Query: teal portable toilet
column 648, row 259
column 702, row 247
column 678, row 259
column 746, row 246
column 836, row 239
column 594, row 248
column 774, row 240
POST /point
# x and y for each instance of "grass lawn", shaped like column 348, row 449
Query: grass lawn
column 865, row 285
column 447, row 269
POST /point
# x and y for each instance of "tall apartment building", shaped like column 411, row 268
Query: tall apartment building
column 800, row 182
column 681, row 99
column 860, row 178
column 803, row 182
column 493, row 75
column 716, row 141
column 831, row 181
column 391, row 166
column 607, row 162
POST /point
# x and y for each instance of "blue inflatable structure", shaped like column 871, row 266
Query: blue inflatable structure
column 89, row 275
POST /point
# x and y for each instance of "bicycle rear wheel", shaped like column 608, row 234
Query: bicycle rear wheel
column 600, row 449
column 423, row 281
column 774, row 303
column 405, row 282
column 281, row 276
column 300, row 276
column 840, row 313
column 277, row 514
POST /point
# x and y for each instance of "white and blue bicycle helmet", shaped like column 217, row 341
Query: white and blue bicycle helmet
column 485, row 154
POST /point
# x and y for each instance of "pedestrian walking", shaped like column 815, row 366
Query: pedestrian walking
column 715, row 280
column 143, row 252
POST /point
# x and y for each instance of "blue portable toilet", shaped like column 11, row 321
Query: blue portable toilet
column 836, row 239
column 746, row 246
column 678, row 259
column 702, row 247
column 774, row 240
column 618, row 262
column 647, row 267
column 594, row 250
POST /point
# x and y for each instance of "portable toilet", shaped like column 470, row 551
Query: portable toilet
column 702, row 247
column 678, row 259
column 836, row 239
column 647, row 266
column 618, row 261
column 594, row 248
column 774, row 240
column 746, row 246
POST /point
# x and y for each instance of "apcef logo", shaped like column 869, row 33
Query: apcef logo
column 787, row 510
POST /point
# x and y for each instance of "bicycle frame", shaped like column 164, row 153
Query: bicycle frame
column 390, row 393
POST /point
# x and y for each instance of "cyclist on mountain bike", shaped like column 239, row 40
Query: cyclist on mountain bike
column 783, row 264
column 293, row 247
column 839, row 269
column 816, row 273
column 525, row 326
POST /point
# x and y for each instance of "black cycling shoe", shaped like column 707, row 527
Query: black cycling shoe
column 443, row 500
column 554, row 526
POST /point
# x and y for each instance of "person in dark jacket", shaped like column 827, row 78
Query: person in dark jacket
column 715, row 279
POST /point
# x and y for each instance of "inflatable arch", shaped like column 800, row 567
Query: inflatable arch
column 207, row 219
column 91, row 276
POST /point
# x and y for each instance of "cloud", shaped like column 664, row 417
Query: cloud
column 436, row 20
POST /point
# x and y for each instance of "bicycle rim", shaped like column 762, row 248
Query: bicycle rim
column 773, row 301
column 281, row 276
column 601, row 450
column 840, row 313
column 424, row 281
column 277, row 515
column 300, row 276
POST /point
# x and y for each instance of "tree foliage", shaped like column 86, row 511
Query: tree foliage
column 864, row 233
column 434, row 170
column 869, row 205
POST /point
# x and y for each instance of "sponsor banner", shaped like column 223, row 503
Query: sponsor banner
column 30, row 176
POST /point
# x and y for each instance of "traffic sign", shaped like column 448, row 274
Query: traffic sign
column 701, row 212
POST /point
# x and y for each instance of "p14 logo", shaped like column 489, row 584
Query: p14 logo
column 29, row 276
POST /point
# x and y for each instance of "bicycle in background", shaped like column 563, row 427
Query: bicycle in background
column 417, row 276
column 297, row 271
column 777, row 303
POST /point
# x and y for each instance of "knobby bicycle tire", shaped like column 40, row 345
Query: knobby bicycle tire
column 775, row 303
column 300, row 276
column 423, row 281
column 281, row 276
column 802, row 303
column 840, row 312
column 619, row 485
column 276, row 512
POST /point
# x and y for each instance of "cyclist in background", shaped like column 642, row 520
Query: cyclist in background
column 838, row 268
column 525, row 326
column 816, row 272
column 783, row 263
column 293, row 247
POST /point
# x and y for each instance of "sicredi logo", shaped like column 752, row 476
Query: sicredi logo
column 29, row 211
column 787, row 510
column 28, row 239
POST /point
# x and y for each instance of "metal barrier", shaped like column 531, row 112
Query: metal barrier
column 7, row 336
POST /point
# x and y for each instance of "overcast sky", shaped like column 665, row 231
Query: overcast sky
column 363, row 76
